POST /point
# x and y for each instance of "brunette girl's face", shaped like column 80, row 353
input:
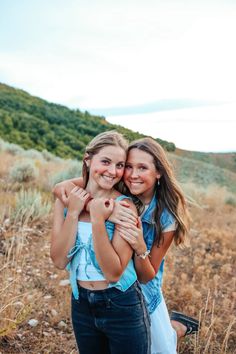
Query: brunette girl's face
column 106, row 168
column 140, row 174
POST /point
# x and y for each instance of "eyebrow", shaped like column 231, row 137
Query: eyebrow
column 107, row 158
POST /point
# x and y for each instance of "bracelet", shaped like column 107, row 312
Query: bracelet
column 143, row 255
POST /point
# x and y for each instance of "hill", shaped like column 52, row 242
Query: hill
column 35, row 123
column 223, row 160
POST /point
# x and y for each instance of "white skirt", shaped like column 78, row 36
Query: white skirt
column 163, row 335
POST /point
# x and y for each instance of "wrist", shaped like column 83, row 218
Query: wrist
column 140, row 250
column 73, row 214
column 96, row 219
column 143, row 255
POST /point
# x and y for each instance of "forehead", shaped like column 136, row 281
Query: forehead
column 139, row 156
column 112, row 152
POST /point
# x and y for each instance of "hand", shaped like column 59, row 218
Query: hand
column 134, row 236
column 62, row 190
column 123, row 215
column 77, row 199
column 101, row 209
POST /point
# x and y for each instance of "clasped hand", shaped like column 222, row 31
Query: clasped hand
column 133, row 234
column 101, row 209
column 77, row 199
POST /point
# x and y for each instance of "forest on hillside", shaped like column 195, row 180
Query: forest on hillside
column 35, row 123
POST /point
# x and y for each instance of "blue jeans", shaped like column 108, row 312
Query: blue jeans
column 111, row 321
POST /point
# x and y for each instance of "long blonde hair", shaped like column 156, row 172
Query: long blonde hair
column 169, row 194
column 109, row 138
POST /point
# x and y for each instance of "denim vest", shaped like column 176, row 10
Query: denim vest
column 152, row 290
column 128, row 277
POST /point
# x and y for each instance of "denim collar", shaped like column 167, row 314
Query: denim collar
column 148, row 215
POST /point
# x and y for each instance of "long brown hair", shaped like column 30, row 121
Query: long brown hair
column 169, row 194
column 109, row 138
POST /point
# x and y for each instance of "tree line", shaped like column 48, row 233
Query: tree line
column 32, row 122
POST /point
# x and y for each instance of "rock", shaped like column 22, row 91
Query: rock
column 54, row 312
column 47, row 297
column 62, row 324
column 64, row 282
column 46, row 334
column 53, row 276
column 33, row 322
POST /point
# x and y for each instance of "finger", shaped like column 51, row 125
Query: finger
column 111, row 204
column 65, row 199
column 124, row 224
column 74, row 190
column 129, row 232
column 124, row 203
column 127, row 227
column 85, row 195
column 139, row 223
column 127, row 211
column 130, row 240
column 129, row 219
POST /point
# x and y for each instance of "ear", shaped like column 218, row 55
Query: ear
column 158, row 175
column 87, row 160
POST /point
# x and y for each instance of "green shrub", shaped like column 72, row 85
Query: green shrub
column 230, row 201
column 23, row 172
column 33, row 154
column 73, row 170
column 29, row 206
column 11, row 148
column 48, row 156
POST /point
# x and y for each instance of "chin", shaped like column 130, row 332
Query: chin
column 106, row 186
column 135, row 191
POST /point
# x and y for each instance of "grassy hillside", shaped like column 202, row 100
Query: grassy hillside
column 202, row 173
column 224, row 160
column 35, row 123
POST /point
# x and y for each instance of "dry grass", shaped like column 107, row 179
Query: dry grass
column 199, row 280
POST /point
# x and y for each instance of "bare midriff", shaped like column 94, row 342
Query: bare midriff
column 94, row 285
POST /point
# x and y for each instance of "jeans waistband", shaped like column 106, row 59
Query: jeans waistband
column 85, row 293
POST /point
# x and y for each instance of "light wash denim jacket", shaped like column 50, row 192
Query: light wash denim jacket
column 126, row 280
column 152, row 290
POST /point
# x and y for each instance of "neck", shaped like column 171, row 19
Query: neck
column 97, row 192
column 146, row 197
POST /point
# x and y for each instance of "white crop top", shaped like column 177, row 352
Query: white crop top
column 91, row 274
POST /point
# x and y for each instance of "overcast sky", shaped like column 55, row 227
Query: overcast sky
column 165, row 68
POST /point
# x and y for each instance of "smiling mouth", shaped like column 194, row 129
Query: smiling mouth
column 135, row 183
column 108, row 178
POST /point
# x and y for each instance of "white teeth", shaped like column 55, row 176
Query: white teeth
column 108, row 178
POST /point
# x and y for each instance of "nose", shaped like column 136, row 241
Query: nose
column 134, row 173
column 112, row 170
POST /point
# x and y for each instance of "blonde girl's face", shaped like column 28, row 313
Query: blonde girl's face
column 140, row 174
column 106, row 168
